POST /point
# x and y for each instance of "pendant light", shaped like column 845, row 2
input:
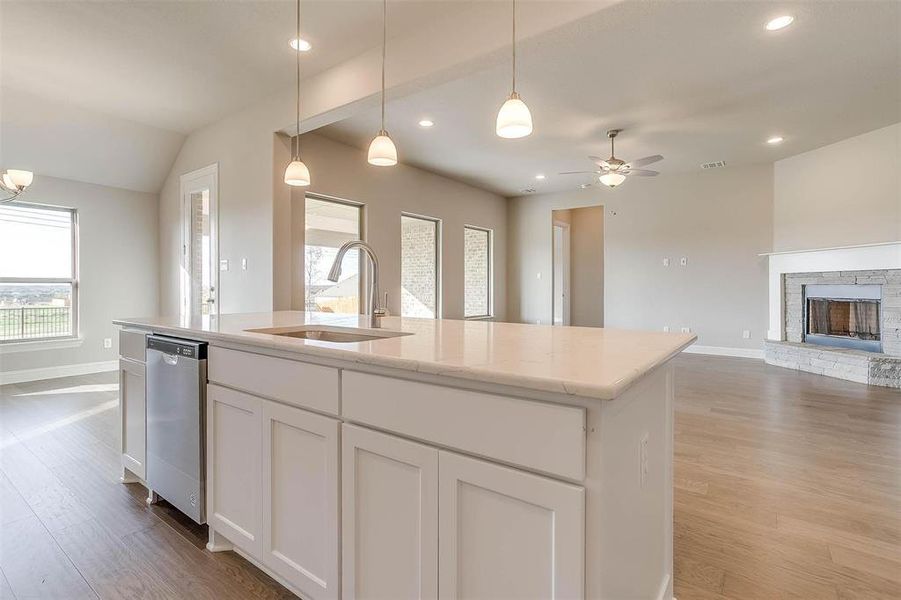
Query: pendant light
column 514, row 119
column 382, row 152
column 14, row 181
column 297, row 173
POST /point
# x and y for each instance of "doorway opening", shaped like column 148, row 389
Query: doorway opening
column 199, row 287
column 577, row 251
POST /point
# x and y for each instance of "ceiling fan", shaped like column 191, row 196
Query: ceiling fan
column 613, row 171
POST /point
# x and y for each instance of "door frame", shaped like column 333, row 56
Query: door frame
column 567, row 305
column 206, row 177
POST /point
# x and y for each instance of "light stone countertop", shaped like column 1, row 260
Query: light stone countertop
column 580, row 361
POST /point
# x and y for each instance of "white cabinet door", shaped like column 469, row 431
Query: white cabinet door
column 390, row 516
column 133, row 416
column 234, row 485
column 508, row 534
column 300, row 498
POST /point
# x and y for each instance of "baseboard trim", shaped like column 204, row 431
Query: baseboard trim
column 24, row 375
column 723, row 351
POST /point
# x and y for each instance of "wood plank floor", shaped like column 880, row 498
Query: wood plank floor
column 788, row 485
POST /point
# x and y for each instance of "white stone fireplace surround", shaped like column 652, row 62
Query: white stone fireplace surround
column 790, row 271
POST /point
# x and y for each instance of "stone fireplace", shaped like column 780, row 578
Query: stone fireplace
column 840, row 323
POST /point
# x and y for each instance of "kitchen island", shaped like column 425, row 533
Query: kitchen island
column 450, row 459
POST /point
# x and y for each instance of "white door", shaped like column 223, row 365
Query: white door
column 389, row 516
column 300, row 498
column 508, row 534
column 133, row 416
column 233, row 481
column 561, row 274
column 200, row 243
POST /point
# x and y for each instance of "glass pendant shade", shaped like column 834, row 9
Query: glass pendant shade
column 514, row 119
column 8, row 183
column 382, row 152
column 18, row 178
column 297, row 174
column 612, row 179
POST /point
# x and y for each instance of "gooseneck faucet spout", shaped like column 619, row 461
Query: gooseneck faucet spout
column 373, row 310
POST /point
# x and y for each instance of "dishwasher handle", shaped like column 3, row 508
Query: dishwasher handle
column 170, row 359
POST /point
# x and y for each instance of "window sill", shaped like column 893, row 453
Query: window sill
column 482, row 318
column 45, row 344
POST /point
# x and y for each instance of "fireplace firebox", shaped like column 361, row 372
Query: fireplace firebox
column 847, row 316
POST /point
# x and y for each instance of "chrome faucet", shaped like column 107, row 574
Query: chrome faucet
column 373, row 310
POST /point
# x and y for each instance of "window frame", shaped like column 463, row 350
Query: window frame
column 362, row 267
column 439, row 271
column 73, row 280
column 490, row 275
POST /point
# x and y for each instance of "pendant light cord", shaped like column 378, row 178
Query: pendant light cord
column 297, row 57
column 514, row 46
column 384, row 45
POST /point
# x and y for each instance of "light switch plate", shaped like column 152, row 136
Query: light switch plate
column 243, row 264
column 107, row 342
column 746, row 334
column 683, row 261
column 666, row 262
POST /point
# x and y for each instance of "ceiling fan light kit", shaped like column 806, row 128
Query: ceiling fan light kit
column 613, row 171
column 297, row 173
column 513, row 119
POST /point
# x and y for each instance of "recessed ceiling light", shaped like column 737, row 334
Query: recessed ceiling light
column 301, row 45
column 539, row 176
column 779, row 23
column 776, row 139
column 426, row 123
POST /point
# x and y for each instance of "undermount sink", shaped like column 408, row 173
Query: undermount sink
column 341, row 335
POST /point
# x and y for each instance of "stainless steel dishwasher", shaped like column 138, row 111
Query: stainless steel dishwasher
column 176, row 419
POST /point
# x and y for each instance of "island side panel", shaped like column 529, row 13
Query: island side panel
column 629, row 517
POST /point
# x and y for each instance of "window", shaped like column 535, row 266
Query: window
column 329, row 223
column 476, row 272
column 419, row 266
column 38, row 285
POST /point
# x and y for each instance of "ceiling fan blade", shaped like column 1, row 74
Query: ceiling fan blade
column 641, row 172
column 647, row 160
column 580, row 172
column 599, row 161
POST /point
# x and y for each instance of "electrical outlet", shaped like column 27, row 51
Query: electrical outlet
column 223, row 264
column 683, row 261
column 666, row 329
column 746, row 334
column 666, row 262
column 643, row 459
column 686, row 330
column 243, row 264
column 107, row 342
column 538, row 321
column 538, row 275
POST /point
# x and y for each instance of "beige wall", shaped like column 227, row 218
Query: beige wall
column 118, row 266
column 719, row 220
column 843, row 194
column 587, row 266
column 244, row 148
column 342, row 171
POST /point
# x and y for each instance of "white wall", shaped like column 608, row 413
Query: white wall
column 118, row 266
column 719, row 220
column 843, row 194
column 342, row 171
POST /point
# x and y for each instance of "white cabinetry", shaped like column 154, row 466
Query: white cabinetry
column 300, row 498
column 233, row 467
column 132, row 410
column 508, row 534
column 390, row 516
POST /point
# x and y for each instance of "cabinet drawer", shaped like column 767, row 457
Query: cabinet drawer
column 544, row 437
column 131, row 344
column 292, row 382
